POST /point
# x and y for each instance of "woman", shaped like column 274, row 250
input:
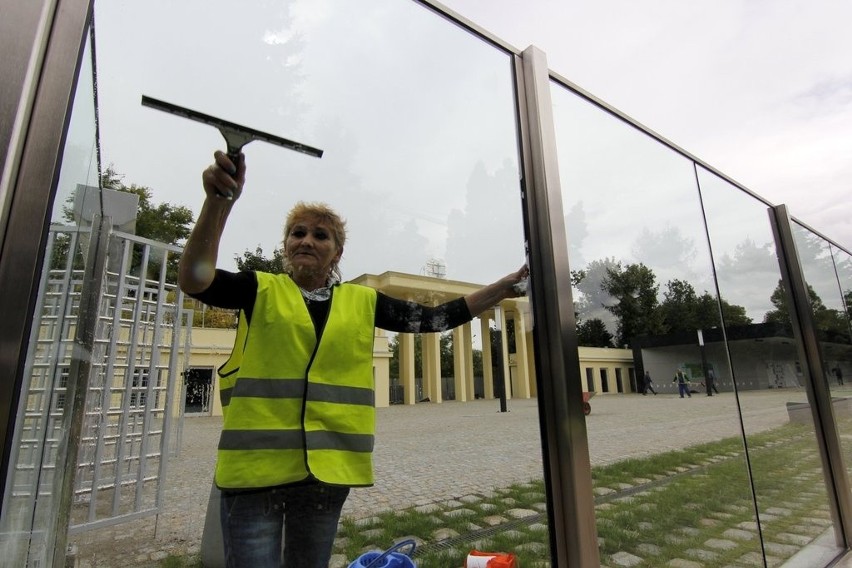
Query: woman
column 297, row 392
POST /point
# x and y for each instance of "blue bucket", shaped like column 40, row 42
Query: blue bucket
column 390, row 558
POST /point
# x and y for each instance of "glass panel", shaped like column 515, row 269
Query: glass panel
column 841, row 371
column 669, row 470
column 764, row 361
column 827, row 274
column 416, row 119
column 31, row 503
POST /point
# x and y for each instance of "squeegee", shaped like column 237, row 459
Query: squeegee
column 236, row 136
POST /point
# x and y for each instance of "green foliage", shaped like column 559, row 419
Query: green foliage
column 634, row 291
column 830, row 324
column 257, row 261
column 172, row 561
column 59, row 253
column 847, row 297
column 679, row 309
column 684, row 311
column 680, row 499
column 781, row 313
column 675, row 501
column 213, row 317
column 209, row 316
column 593, row 333
column 629, row 295
column 592, row 297
column 734, row 315
column 446, row 348
column 161, row 222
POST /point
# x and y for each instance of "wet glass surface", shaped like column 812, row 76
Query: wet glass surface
column 673, row 269
column 416, row 121
column 643, row 225
column 31, row 502
column 786, row 469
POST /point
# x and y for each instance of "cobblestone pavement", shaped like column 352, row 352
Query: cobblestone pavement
column 436, row 452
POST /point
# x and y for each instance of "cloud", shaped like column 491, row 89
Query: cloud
column 760, row 90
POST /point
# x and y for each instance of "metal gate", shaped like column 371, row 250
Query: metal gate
column 116, row 421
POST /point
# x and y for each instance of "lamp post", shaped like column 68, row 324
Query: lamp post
column 499, row 375
column 704, row 362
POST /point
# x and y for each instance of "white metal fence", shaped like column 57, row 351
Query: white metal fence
column 126, row 372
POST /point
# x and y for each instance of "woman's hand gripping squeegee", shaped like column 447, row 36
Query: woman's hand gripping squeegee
column 236, row 136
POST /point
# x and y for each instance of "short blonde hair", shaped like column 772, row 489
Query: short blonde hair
column 315, row 211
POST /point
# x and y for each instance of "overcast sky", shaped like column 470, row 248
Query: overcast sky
column 416, row 118
column 759, row 89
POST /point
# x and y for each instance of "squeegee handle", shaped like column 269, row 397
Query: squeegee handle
column 234, row 140
column 234, row 155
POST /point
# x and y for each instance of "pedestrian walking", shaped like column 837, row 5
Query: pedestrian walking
column 682, row 383
column 710, row 382
column 648, row 384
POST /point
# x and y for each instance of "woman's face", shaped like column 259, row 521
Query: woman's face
column 310, row 247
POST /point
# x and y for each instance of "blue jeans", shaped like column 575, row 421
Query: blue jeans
column 252, row 524
column 683, row 388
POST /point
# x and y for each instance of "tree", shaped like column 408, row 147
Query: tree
column 163, row 222
column 592, row 298
column 593, row 333
column 446, row 352
column 212, row 317
column 848, row 299
column 828, row 322
column 447, row 360
column 684, row 311
column 256, row 261
column 634, row 291
column 203, row 315
column 781, row 314
column 679, row 309
column 734, row 315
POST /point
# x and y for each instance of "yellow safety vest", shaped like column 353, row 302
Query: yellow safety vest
column 293, row 407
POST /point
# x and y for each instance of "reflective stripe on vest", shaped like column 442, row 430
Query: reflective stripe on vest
column 292, row 407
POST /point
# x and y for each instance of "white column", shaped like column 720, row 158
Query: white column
column 459, row 364
column 431, row 343
column 406, row 366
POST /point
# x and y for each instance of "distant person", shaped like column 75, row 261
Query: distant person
column 648, row 384
column 839, row 375
column 710, row 382
column 682, row 383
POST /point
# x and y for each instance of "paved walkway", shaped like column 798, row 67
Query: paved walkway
column 436, row 452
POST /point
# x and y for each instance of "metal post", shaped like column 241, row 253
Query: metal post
column 573, row 533
column 819, row 396
column 703, row 350
column 501, row 372
column 78, row 383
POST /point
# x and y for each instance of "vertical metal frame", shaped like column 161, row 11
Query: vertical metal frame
column 77, row 389
column 571, row 510
column 34, row 122
column 819, row 395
